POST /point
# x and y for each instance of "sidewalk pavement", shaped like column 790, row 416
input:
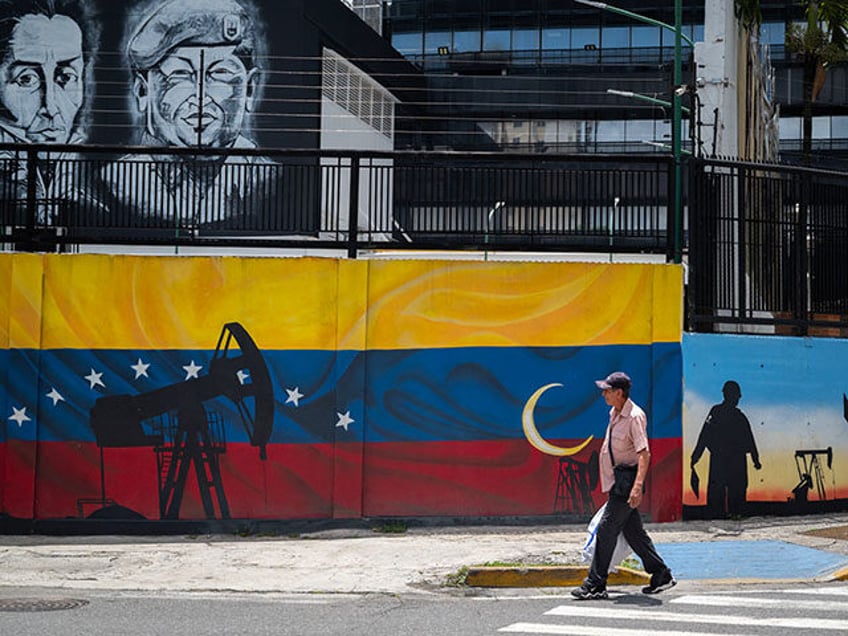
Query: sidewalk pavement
column 422, row 559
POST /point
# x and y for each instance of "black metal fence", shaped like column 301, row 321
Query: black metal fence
column 51, row 197
column 767, row 248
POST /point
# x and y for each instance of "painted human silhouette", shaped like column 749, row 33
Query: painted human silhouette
column 727, row 435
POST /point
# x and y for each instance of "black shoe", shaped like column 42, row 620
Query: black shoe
column 660, row 582
column 588, row 592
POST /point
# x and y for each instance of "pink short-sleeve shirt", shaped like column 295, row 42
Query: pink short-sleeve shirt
column 628, row 433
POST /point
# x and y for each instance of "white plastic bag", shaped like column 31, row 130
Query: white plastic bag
column 622, row 548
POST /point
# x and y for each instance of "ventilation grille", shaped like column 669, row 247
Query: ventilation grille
column 348, row 87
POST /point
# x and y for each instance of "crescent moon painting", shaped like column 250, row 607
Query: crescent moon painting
column 533, row 435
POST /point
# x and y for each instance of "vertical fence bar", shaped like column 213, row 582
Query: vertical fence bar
column 353, row 208
column 32, row 193
column 741, row 244
column 670, row 238
column 803, row 269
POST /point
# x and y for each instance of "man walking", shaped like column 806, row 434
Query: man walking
column 624, row 461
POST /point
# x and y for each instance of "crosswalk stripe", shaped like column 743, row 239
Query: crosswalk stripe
column 715, row 619
column 819, row 591
column 750, row 601
column 584, row 630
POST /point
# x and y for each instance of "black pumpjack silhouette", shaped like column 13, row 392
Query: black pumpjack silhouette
column 810, row 473
column 809, row 468
column 575, row 483
column 181, row 426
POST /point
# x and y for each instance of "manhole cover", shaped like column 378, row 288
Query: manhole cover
column 39, row 604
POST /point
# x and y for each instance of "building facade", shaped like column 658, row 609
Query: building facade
column 535, row 75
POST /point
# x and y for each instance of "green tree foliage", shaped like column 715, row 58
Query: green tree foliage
column 749, row 14
column 821, row 41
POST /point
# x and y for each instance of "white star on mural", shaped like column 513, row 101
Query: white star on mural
column 242, row 375
column 94, row 379
column 19, row 416
column 55, row 396
column 191, row 370
column 140, row 369
column 344, row 420
column 294, row 396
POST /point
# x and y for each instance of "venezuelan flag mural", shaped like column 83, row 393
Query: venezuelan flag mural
column 249, row 388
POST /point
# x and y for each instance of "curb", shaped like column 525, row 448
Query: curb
column 547, row 576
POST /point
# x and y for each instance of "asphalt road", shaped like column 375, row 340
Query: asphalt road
column 690, row 609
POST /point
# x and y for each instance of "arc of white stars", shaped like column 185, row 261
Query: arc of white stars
column 344, row 420
column 94, row 379
column 19, row 416
column 294, row 396
column 55, row 396
column 192, row 370
column 140, row 368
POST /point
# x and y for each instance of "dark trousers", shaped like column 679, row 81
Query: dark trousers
column 617, row 518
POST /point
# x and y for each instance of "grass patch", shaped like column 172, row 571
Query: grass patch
column 392, row 527
column 458, row 578
column 633, row 564
column 504, row 564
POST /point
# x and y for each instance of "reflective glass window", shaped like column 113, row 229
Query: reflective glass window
column 583, row 37
column 465, row 41
column 497, row 40
column 698, row 33
column 616, row 37
column 407, row 43
column 525, row 39
column 790, row 128
column 610, row 131
column 662, row 130
column 645, row 36
column 772, row 33
column 553, row 39
column 821, row 127
column 839, row 127
column 639, row 130
column 434, row 39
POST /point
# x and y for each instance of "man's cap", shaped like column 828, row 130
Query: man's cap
column 180, row 23
column 615, row 380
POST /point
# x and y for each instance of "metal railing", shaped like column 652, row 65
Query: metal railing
column 767, row 246
column 52, row 197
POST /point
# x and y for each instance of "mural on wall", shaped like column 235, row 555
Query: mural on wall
column 181, row 74
column 179, row 424
column 575, row 479
column 201, row 388
column 195, row 83
column 47, row 52
column 780, row 449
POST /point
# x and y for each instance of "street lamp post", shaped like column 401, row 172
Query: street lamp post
column 496, row 207
column 676, row 104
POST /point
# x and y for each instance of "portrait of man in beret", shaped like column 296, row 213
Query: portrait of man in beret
column 195, row 83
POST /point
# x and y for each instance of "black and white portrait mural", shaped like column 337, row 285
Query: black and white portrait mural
column 195, row 82
column 47, row 52
column 184, row 107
